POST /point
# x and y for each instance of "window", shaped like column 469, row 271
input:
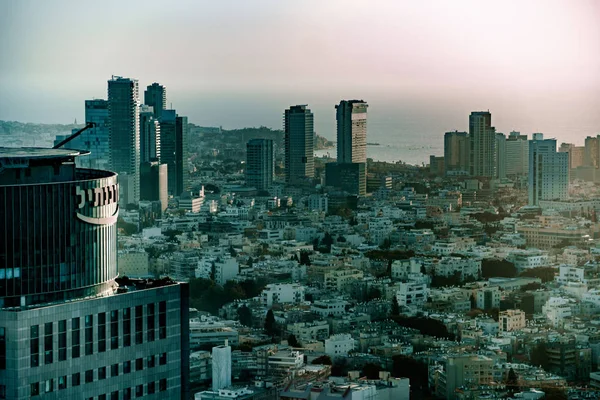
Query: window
column 89, row 376
column 102, row 373
column 151, row 388
column 49, row 386
column 102, row 397
column 139, row 364
column 89, row 335
column 35, row 389
column 150, row 322
column 127, row 394
column 114, row 395
column 114, row 370
column 75, row 338
column 34, row 345
column 162, row 359
column 114, row 329
column 150, row 361
column 127, row 327
column 162, row 320
column 2, row 391
column 62, row 382
column 76, row 379
column 101, row 332
column 2, row 348
column 139, row 391
column 127, row 367
column 62, row 340
column 162, row 385
column 48, row 343
column 139, row 324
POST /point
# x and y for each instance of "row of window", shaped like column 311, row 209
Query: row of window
column 39, row 388
column 88, row 377
column 101, row 333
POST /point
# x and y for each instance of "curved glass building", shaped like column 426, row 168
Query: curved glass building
column 59, row 226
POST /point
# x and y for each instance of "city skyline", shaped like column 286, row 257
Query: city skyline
column 538, row 76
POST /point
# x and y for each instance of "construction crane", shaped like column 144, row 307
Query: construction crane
column 74, row 135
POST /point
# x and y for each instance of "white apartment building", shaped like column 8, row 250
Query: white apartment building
column 488, row 297
column 403, row 269
column 326, row 308
column 557, row 309
column 318, row 202
column 448, row 266
column 339, row 345
column 307, row 331
column 222, row 268
column 569, row 273
column 278, row 293
column 511, row 320
column 337, row 280
column 412, row 293
column 443, row 248
column 530, row 258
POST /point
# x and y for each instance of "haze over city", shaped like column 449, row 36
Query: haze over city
column 421, row 67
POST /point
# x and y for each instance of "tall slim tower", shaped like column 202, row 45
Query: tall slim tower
column 149, row 135
column 221, row 367
column 259, row 163
column 156, row 97
column 500, row 155
column 351, row 116
column 124, row 130
column 482, row 152
column 456, row 153
column 517, row 154
column 174, row 151
column 548, row 171
column 299, row 144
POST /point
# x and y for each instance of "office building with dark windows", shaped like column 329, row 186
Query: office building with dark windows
column 298, row 125
column 259, row 163
column 70, row 327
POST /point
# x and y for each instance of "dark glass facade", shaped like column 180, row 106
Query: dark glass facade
column 59, row 237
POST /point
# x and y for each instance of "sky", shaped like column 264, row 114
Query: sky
column 422, row 66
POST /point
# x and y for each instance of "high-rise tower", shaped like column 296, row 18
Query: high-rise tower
column 124, row 130
column 174, row 151
column 149, row 135
column 351, row 116
column 299, row 144
column 156, row 97
column 548, row 171
column 259, row 163
column 482, row 151
column 456, row 153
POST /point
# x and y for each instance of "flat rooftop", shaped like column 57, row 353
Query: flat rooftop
column 30, row 153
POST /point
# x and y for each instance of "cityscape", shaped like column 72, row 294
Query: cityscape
column 151, row 248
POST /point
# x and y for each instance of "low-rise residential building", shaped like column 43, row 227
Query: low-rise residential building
column 326, row 308
column 511, row 320
column 278, row 293
column 488, row 298
column 339, row 345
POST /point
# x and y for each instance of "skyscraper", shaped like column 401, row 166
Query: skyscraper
column 149, row 135
column 299, row 144
column 548, row 171
column 576, row 154
column 174, row 151
column 124, row 129
column 482, row 149
column 69, row 326
column 456, row 153
column 96, row 140
column 155, row 96
column 590, row 156
column 351, row 116
column 259, row 163
column 517, row 154
column 500, row 155
column 154, row 186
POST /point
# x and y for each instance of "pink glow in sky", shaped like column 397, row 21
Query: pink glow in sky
column 535, row 64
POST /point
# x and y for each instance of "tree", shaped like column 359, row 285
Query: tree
column 371, row 371
column 546, row 274
column 244, row 315
column 322, row 360
column 373, row 293
column 395, row 306
column 304, row 258
column 512, row 381
column 293, row 342
column 386, row 244
column 128, row 229
column 270, row 324
column 494, row 268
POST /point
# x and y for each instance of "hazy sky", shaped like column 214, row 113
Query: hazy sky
column 421, row 65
